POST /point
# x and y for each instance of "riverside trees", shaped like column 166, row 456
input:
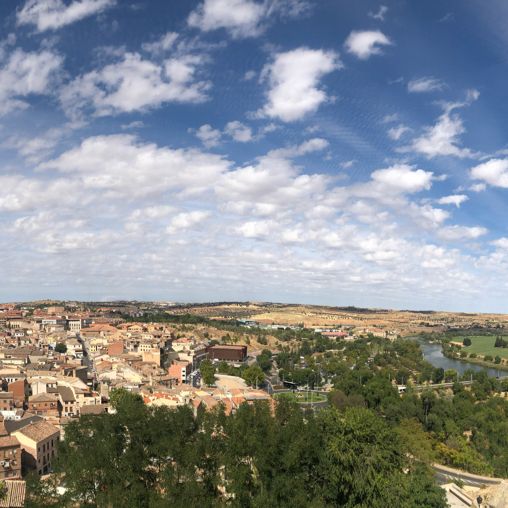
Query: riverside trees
column 157, row 457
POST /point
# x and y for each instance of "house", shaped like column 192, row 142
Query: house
column 180, row 370
column 44, row 404
column 10, row 457
column 6, row 401
column 68, row 404
column 39, row 443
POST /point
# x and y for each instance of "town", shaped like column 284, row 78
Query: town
column 63, row 360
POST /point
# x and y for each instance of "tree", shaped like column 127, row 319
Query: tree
column 497, row 359
column 438, row 375
column 467, row 342
column 61, row 348
column 253, row 375
column 207, row 369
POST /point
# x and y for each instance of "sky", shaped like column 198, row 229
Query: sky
column 309, row 151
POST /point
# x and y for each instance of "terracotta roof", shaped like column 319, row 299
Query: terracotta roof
column 43, row 397
column 39, row 431
column 8, row 441
column 15, row 496
column 66, row 394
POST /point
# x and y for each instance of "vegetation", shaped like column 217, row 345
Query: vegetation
column 61, row 348
column 155, row 457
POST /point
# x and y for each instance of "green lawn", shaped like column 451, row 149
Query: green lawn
column 484, row 345
column 301, row 396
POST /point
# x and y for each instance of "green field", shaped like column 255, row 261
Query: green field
column 484, row 345
column 301, row 397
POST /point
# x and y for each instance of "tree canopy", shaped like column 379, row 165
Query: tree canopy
column 259, row 456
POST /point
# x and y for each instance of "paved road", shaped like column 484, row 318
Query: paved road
column 447, row 474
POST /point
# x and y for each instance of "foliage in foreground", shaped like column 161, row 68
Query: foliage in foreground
column 157, row 457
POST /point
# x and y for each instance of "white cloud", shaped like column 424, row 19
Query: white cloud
column 238, row 131
column 164, row 43
column 493, row 172
column 426, row 84
column 25, row 74
column 243, row 18
column 396, row 133
column 456, row 233
column 293, row 78
column 380, row 14
column 367, row 43
column 403, row 178
column 187, row 220
column 348, row 164
column 501, row 243
column 478, row 187
column 136, row 84
column 55, row 14
column 209, row 136
column 136, row 169
column 443, row 138
column 454, row 199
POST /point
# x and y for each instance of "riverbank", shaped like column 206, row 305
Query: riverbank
column 433, row 353
column 477, row 361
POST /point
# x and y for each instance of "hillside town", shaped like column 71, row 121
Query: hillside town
column 56, row 365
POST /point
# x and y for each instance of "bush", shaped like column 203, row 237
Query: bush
column 472, row 355
column 488, row 358
column 497, row 359
column 466, row 342
column 61, row 348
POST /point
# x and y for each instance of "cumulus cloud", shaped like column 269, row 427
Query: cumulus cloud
column 454, row 199
column 403, row 178
column 293, row 78
column 55, row 14
column 209, row 136
column 456, row 233
column 25, row 74
column 187, row 220
column 239, row 131
column 134, row 83
column 364, row 44
column 443, row 138
column 493, row 172
column 243, row 18
column 135, row 169
column 426, row 84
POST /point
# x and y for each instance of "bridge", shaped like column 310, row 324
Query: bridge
column 439, row 386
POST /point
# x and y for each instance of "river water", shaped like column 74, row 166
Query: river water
column 434, row 355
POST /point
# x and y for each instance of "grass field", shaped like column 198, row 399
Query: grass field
column 301, row 397
column 484, row 345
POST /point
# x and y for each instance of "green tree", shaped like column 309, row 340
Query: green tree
column 61, row 348
column 207, row 370
column 253, row 375
column 466, row 342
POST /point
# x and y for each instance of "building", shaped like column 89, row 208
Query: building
column 44, row 404
column 68, row 404
column 39, row 443
column 6, row 401
column 180, row 370
column 223, row 353
column 10, row 457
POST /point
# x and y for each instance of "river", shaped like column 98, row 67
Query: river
column 434, row 355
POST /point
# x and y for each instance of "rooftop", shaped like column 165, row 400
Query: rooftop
column 39, row 431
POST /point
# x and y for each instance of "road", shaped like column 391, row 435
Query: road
column 447, row 474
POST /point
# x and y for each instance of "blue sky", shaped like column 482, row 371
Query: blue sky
column 331, row 152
